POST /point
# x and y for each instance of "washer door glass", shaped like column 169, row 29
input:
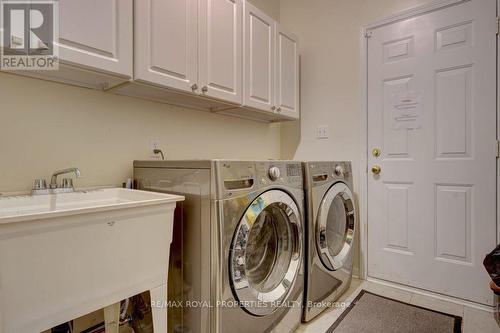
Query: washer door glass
column 335, row 226
column 266, row 252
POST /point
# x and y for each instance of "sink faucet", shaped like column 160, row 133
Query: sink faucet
column 65, row 186
column 53, row 180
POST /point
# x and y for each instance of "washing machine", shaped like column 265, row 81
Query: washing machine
column 330, row 228
column 238, row 246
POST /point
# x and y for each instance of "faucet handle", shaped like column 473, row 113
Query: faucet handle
column 67, row 183
column 40, row 184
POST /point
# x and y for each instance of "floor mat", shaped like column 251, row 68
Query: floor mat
column 371, row 313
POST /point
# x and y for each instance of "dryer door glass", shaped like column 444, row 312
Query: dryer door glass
column 266, row 252
column 335, row 226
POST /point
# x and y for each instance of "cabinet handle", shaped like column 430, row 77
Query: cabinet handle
column 279, row 110
column 273, row 108
column 204, row 89
column 194, row 87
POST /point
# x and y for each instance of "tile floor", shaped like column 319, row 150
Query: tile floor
column 474, row 320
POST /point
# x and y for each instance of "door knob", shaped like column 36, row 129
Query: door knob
column 194, row 87
column 376, row 152
column 204, row 89
column 376, row 169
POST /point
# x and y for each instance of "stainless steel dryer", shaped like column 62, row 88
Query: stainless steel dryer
column 331, row 219
column 238, row 243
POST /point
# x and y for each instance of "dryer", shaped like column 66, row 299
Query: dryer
column 242, row 249
column 330, row 228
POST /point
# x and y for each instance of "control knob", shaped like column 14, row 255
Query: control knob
column 274, row 173
column 339, row 170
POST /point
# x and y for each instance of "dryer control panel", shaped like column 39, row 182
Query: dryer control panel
column 319, row 173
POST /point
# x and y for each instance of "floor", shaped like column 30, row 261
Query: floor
column 474, row 320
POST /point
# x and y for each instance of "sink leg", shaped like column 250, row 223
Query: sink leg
column 158, row 308
column 112, row 318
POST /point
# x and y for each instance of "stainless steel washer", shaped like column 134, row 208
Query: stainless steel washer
column 243, row 243
column 330, row 228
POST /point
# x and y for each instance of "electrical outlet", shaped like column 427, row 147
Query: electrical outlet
column 322, row 132
column 154, row 144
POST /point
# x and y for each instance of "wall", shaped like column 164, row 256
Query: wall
column 329, row 34
column 46, row 126
column 270, row 7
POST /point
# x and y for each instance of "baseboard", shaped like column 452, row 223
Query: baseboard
column 431, row 294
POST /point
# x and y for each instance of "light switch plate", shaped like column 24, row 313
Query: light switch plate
column 322, row 132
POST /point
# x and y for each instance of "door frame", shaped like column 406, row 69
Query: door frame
column 363, row 174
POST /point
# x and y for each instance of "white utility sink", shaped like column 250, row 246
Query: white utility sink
column 36, row 207
column 65, row 255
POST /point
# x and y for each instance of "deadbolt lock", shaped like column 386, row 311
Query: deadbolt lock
column 376, row 152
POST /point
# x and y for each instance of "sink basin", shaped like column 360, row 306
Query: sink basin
column 26, row 208
column 65, row 255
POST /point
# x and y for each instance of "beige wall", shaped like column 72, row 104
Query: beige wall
column 270, row 7
column 329, row 33
column 46, row 126
column 103, row 133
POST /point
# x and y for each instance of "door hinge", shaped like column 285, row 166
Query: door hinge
column 498, row 25
column 368, row 33
column 498, row 149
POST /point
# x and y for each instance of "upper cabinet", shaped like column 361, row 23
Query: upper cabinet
column 166, row 43
column 97, row 34
column 271, row 68
column 223, row 56
column 287, row 73
column 220, row 49
column 187, row 53
column 95, row 44
column 259, row 45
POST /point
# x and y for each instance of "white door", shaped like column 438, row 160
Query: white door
column 258, row 59
column 432, row 114
column 166, row 43
column 106, row 44
column 221, row 56
column 287, row 74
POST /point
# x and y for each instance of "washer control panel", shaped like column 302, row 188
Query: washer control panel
column 279, row 173
column 294, row 170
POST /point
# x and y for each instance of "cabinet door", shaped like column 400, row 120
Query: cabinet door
column 166, row 43
column 220, row 33
column 287, row 74
column 106, row 43
column 258, row 59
